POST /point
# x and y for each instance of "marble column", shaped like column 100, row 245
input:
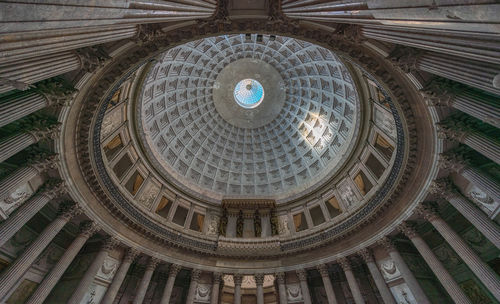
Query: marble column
column 115, row 285
column 280, row 277
column 23, row 262
column 21, row 74
column 327, row 282
column 27, row 210
column 195, row 278
column 482, row 271
column 18, row 142
column 87, row 279
column 302, row 275
column 87, row 229
column 477, row 218
column 406, row 273
column 459, row 131
column 214, row 298
column 146, row 279
column 446, row 280
column 351, row 281
column 459, row 163
column 167, row 291
column 384, row 291
column 36, row 166
column 448, row 93
column 237, row 278
column 18, row 105
column 259, row 282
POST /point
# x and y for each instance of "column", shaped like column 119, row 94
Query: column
column 113, row 289
column 330, row 294
column 280, row 277
column 449, row 284
column 87, row 279
column 23, row 262
column 19, row 105
column 146, row 279
column 167, row 292
column 217, row 277
column 259, row 282
column 237, row 278
column 21, row 74
column 406, row 273
column 477, row 218
column 384, row 291
column 87, row 229
column 351, row 280
column 302, row 275
column 36, row 166
column 475, row 264
column 195, row 277
column 18, row 142
column 448, row 93
column 459, row 131
column 27, row 210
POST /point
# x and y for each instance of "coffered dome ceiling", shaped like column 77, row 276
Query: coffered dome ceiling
column 199, row 138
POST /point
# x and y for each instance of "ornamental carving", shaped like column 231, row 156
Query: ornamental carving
column 294, row 292
column 202, row 293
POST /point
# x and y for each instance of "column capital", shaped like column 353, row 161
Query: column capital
column 387, row 244
column 152, row 263
column 237, row 278
column 351, row 33
column 454, row 161
column 68, row 210
column 147, row 33
column 46, row 132
column 280, row 276
column 217, row 277
column 427, row 211
column 408, row 230
column 259, row 278
column 42, row 161
column 195, row 275
column 406, row 58
column 92, row 58
column 174, row 270
column 54, row 188
column 441, row 92
column 442, row 187
column 344, row 263
column 56, row 92
column 367, row 255
column 301, row 274
column 323, row 270
column 130, row 255
column 88, row 228
column 109, row 244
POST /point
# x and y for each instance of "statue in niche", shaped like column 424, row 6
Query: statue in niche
column 239, row 225
column 274, row 223
column 223, row 223
column 257, row 224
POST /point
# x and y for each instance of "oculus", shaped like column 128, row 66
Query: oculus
column 248, row 93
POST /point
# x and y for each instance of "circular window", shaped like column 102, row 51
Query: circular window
column 248, row 93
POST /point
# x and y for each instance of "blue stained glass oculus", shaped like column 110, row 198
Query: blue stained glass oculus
column 248, row 93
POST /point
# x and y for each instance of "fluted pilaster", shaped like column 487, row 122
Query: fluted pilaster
column 302, row 275
column 351, row 280
column 217, row 277
column 449, row 284
column 17, row 268
column 477, row 218
column 330, row 294
column 167, row 291
column 115, row 285
column 384, row 291
column 146, row 279
column 476, row 265
column 84, row 284
column 87, row 229
column 406, row 273
column 27, row 210
column 280, row 277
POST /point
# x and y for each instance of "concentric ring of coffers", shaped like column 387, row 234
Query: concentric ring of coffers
column 192, row 146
